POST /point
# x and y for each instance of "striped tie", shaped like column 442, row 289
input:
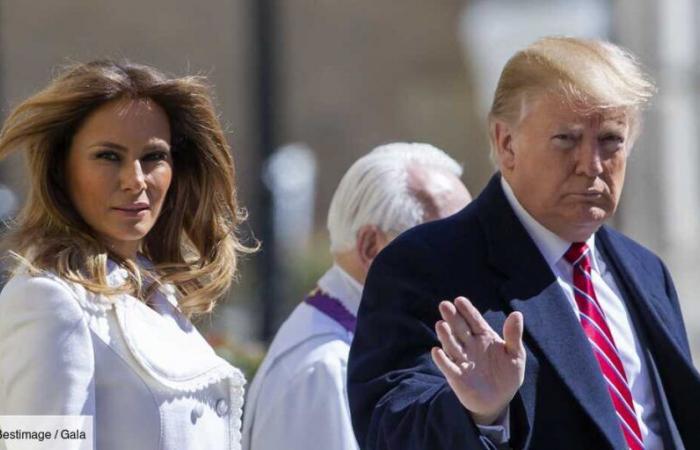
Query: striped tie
column 596, row 328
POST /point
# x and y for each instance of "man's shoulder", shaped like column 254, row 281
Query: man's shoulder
column 306, row 322
column 318, row 360
column 443, row 236
column 312, row 364
column 306, row 338
column 321, row 351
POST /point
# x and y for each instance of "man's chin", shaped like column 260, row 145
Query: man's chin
column 589, row 212
column 595, row 215
column 579, row 227
column 587, row 225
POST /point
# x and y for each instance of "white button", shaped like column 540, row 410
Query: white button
column 221, row 407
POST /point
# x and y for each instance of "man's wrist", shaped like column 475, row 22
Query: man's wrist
column 488, row 419
column 499, row 431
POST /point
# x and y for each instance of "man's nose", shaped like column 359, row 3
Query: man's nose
column 132, row 177
column 588, row 160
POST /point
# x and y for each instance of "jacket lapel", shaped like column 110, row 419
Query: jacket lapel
column 647, row 292
column 529, row 286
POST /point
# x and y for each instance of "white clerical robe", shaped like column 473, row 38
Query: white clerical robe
column 298, row 399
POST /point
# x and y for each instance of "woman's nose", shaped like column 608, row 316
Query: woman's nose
column 132, row 177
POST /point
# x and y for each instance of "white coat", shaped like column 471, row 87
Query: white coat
column 144, row 373
column 298, row 399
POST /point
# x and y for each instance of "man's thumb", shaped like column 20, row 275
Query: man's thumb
column 513, row 334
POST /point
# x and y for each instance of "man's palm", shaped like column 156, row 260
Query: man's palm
column 482, row 369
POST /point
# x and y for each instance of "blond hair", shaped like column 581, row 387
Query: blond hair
column 590, row 75
column 193, row 244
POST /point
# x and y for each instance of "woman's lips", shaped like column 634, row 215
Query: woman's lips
column 132, row 211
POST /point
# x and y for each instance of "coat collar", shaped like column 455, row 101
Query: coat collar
column 168, row 347
column 529, row 286
column 648, row 289
column 551, row 246
column 162, row 340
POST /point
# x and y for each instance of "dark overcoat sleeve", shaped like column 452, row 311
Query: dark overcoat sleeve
column 399, row 400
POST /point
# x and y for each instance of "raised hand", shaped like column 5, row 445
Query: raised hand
column 483, row 370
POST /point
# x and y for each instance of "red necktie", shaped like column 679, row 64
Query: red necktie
column 596, row 328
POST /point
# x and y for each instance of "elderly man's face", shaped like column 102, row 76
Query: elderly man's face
column 566, row 169
column 441, row 193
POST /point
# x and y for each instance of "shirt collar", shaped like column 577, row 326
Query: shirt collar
column 550, row 245
column 340, row 285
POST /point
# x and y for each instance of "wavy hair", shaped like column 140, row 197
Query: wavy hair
column 193, row 244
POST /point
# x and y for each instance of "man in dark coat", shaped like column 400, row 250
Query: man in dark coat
column 593, row 352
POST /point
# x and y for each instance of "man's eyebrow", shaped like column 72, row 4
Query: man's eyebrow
column 571, row 127
column 614, row 125
column 619, row 119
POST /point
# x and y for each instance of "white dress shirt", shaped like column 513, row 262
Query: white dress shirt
column 298, row 398
column 145, row 374
column 553, row 248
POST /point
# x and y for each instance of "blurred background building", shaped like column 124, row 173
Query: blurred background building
column 305, row 87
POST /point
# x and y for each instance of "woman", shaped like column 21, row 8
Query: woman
column 128, row 231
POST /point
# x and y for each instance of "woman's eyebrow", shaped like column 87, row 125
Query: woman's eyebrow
column 157, row 144
column 109, row 144
column 154, row 145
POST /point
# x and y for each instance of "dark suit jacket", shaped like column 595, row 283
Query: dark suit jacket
column 399, row 399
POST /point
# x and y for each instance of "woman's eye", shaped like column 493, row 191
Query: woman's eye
column 156, row 156
column 108, row 155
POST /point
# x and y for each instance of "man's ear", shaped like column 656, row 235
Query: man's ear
column 503, row 138
column 370, row 241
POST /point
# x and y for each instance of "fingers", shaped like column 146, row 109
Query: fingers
column 451, row 346
column 444, row 363
column 463, row 321
column 472, row 316
column 459, row 327
column 449, row 368
column 513, row 334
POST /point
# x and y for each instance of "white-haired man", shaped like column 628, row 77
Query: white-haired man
column 298, row 398
column 593, row 313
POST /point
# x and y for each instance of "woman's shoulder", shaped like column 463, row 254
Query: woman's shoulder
column 41, row 308
column 25, row 291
